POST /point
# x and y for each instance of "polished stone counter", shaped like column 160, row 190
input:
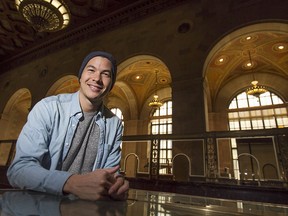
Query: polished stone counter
column 140, row 203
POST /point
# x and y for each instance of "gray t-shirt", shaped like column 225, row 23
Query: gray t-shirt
column 82, row 153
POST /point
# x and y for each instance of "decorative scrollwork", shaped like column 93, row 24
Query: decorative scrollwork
column 154, row 159
column 211, row 158
column 283, row 154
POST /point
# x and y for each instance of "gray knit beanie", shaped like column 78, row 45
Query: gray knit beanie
column 102, row 54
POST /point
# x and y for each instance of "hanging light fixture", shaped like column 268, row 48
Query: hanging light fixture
column 155, row 103
column 255, row 90
column 44, row 15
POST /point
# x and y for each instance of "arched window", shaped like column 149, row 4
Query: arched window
column 247, row 112
column 161, row 123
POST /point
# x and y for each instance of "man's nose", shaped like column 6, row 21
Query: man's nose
column 96, row 76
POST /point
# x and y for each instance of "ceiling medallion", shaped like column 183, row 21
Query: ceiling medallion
column 221, row 60
column 249, row 38
column 280, row 47
column 44, row 15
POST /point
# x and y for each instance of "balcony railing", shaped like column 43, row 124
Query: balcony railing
column 258, row 157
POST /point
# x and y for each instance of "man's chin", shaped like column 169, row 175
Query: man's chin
column 97, row 99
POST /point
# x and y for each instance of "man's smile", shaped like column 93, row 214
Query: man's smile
column 94, row 87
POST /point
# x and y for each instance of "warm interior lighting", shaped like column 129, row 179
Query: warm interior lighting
column 155, row 103
column 248, row 38
column 249, row 64
column 44, row 15
column 255, row 90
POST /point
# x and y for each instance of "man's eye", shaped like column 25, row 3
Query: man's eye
column 106, row 74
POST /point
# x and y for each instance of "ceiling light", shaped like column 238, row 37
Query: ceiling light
column 44, row 15
column 255, row 90
column 155, row 103
column 249, row 64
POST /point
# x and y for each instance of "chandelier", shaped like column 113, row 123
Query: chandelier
column 44, row 15
column 155, row 103
column 255, row 90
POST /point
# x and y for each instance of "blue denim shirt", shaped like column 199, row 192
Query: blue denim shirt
column 46, row 138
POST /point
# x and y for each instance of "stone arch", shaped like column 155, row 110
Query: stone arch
column 15, row 114
column 181, row 167
column 136, row 76
column 134, row 161
column 123, row 97
column 225, row 75
column 222, row 80
column 66, row 84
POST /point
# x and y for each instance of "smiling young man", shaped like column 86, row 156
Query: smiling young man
column 71, row 142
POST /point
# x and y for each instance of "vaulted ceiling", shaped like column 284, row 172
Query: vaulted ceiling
column 267, row 44
column 19, row 42
column 254, row 52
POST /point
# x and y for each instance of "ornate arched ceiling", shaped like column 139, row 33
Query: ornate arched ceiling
column 136, row 81
column 15, row 114
column 267, row 44
column 67, row 84
column 20, row 43
column 140, row 74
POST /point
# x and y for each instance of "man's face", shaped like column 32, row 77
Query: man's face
column 96, row 81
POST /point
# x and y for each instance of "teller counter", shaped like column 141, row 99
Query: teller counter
column 140, row 203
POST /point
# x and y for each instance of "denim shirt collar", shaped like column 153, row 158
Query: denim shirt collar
column 76, row 109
